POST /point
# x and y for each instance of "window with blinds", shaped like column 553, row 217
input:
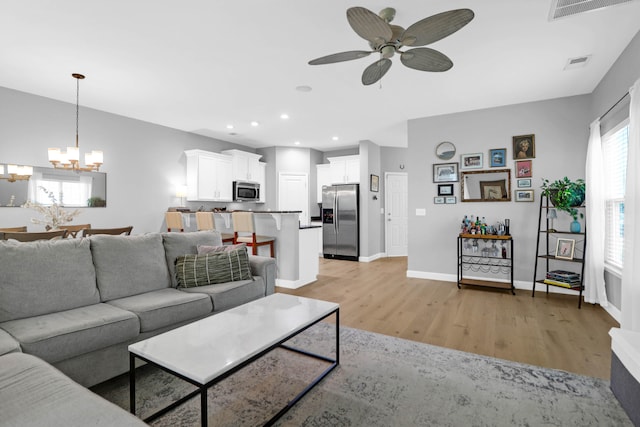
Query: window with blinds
column 614, row 149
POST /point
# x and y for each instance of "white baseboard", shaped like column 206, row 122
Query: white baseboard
column 293, row 284
column 372, row 257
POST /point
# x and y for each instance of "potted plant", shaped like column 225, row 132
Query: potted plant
column 96, row 202
column 566, row 195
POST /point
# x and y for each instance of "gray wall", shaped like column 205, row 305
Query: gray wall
column 371, row 219
column 561, row 135
column 144, row 162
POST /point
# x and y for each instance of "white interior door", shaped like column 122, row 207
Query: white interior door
column 396, row 214
column 293, row 194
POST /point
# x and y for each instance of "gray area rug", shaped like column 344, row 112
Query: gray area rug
column 381, row 381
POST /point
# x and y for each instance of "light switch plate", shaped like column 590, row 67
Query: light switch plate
column 421, row 212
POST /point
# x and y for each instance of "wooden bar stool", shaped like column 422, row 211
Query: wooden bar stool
column 174, row 221
column 243, row 223
column 206, row 221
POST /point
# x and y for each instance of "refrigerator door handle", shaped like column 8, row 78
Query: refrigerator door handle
column 336, row 226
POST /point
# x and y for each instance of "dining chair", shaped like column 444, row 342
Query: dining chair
column 243, row 222
column 74, row 230
column 113, row 231
column 174, row 221
column 206, row 221
column 31, row 236
column 10, row 229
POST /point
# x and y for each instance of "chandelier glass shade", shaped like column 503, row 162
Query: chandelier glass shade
column 71, row 158
column 16, row 173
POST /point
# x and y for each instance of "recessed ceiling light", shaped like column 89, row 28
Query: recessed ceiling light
column 304, row 88
column 296, row 143
column 335, row 138
column 229, row 126
column 254, row 123
column 284, row 116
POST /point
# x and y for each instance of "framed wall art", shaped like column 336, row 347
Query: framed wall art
column 524, row 147
column 524, row 195
column 374, row 183
column 471, row 161
column 438, row 200
column 498, row 157
column 445, row 172
column 565, row 248
column 523, row 169
column 445, row 150
column 445, row 189
column 524, row 183
column 450, row 200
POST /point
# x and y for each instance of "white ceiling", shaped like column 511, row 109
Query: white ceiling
column 198, row 65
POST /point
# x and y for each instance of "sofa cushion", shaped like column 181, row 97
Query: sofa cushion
column 129, row 265
column 8, row 344
column 45, row 277
column 204, row 249
column 165, row 307
column 212, row 268
column 177, row 244
column 231, row 294
column 33, row 393
column 57, row 336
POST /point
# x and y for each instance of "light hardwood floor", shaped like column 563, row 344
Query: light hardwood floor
column 547, row 331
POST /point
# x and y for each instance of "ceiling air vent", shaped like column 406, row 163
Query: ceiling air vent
column 578, row 62
column 564, row 8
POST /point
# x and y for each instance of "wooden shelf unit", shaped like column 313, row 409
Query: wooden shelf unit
column 545, row 235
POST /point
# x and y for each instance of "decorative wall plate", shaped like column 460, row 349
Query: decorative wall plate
column 445, row 150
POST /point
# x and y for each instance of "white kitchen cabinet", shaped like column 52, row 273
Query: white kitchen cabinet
column 262, row 180
column 246, row 165
column 209, row 176
column 345, row 169
column 323, row 177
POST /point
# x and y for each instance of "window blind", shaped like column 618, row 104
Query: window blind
column 614, row 146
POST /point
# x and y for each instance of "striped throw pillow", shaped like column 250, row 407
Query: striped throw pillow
column 208, row 269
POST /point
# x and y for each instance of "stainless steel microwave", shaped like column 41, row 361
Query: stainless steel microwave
column 246, row 191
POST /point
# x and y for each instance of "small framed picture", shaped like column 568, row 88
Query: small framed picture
column 524, row 183
column 471, row 161
column 445, row 172
column 564, row 248
column 445, row 189
column 438, row 200
column 524, row 147
column 523, row 169
column 498, row 157
column 374, row 183
column 450, row 200
column 524, row 195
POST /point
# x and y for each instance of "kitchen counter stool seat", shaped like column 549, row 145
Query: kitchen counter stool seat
column 244, row 232
column 205, row 221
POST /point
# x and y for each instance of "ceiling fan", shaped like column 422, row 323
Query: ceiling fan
column 388, row 39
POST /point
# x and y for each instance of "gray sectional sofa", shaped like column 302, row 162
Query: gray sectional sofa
column 78, row 303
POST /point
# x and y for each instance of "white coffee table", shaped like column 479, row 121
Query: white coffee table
column 208, row 350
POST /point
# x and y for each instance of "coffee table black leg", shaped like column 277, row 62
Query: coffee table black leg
column 338, row 336
column 203, row 407
column 132, row 384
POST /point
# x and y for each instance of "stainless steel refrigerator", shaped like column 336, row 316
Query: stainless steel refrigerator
column 340, row 222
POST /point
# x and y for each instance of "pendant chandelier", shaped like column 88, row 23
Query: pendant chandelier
column 16, row 173
column 70, row 159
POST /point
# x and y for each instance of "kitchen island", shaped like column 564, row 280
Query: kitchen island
column 296, row 257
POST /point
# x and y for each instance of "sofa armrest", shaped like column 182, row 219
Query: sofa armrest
column 8, row 344
column 264, row 267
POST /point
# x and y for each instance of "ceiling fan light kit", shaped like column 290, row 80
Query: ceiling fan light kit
column 387, row 40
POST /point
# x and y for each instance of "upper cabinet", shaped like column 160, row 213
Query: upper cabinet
column 245, row 165
column 209, row 176
column 323, row 177
column 345, row 169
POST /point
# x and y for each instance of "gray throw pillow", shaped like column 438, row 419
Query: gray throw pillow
column 209, row 269
column 204, row 249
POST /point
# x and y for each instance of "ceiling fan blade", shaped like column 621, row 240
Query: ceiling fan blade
column 368, row 25
column 375, row 71
column 340, row 57
column 425, row 59
column 436, row 27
